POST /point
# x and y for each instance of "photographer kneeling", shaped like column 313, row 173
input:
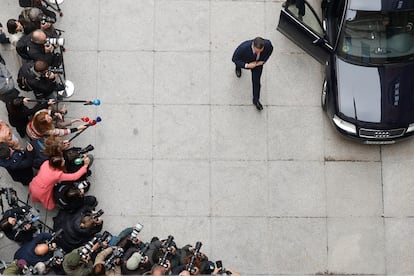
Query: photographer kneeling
column 78, row 227
column 16, row 225
column 70, row 196
column 40, row 47
column 37, row 77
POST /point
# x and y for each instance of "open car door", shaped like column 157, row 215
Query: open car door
column 305, row 31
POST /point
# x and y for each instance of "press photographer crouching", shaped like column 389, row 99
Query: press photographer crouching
column 17, row 162
column 31, row 17
column 38, row 77
column 78, row 227
column 39, row 249
column 80, row 260
column 70, row 196
column 17, row 223
column 41, row 47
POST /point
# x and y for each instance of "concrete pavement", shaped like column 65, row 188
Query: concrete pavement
column 182, row 150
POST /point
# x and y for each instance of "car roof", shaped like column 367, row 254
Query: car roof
column 381, row 5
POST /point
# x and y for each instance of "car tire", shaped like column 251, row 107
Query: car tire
column 324, row 94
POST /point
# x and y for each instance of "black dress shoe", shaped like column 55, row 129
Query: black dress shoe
column 238, row 72
column 259, row 106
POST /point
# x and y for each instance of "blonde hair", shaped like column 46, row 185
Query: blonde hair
column 53, row 146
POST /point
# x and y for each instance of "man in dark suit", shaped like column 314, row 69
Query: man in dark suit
column 252, row 54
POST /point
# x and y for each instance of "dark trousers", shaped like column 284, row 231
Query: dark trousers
column 300, row 4
column 256, row 74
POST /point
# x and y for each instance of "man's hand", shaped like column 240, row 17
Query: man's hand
column 29, row 147
column 66, row 144
column 254, row 64
column 27, row 226
column 49, row 48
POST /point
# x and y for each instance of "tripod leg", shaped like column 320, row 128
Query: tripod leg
column 48, row 5
column 58, row 8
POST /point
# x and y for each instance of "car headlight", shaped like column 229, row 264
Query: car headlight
column 410, row 127
column 344, row 125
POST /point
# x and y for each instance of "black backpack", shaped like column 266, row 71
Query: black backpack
column 21, row 80
column 6, row 80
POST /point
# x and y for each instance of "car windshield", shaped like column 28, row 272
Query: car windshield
column 373, row 37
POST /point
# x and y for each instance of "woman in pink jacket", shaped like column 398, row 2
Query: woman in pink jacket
column 50, row 173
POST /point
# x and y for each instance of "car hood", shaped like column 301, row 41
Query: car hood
column 382, row 94
column 381, row 5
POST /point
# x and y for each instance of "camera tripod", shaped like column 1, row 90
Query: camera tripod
column 13, row 201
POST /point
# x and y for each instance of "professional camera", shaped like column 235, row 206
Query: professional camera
column 88, row 247
column 11, row 196
column 222, row 270
column 134, row 235
column 55, row 41
column 97, row 214
column 106, row 237
column 110, row 263
column 168, row 248
column 47, row 19
column 55, row 71
column 57, row 259
column 190, row 267
column 30, row 215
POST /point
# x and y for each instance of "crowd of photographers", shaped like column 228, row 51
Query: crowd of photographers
column 57, row 175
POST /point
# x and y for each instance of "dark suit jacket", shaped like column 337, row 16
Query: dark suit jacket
column 244, row 53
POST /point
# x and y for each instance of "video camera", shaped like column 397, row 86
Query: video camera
column 134, row 235
column 110, row 263
column 190, row 267
column 29, row 216
column 168, row 249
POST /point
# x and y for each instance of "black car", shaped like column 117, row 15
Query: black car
column 367, row 47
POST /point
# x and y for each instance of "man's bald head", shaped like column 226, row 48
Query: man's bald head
column 39, row 37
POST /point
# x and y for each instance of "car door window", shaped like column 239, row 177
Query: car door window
column 308, row 16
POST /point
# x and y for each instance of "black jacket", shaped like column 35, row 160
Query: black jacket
column 73, row 235
column 41, row 86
